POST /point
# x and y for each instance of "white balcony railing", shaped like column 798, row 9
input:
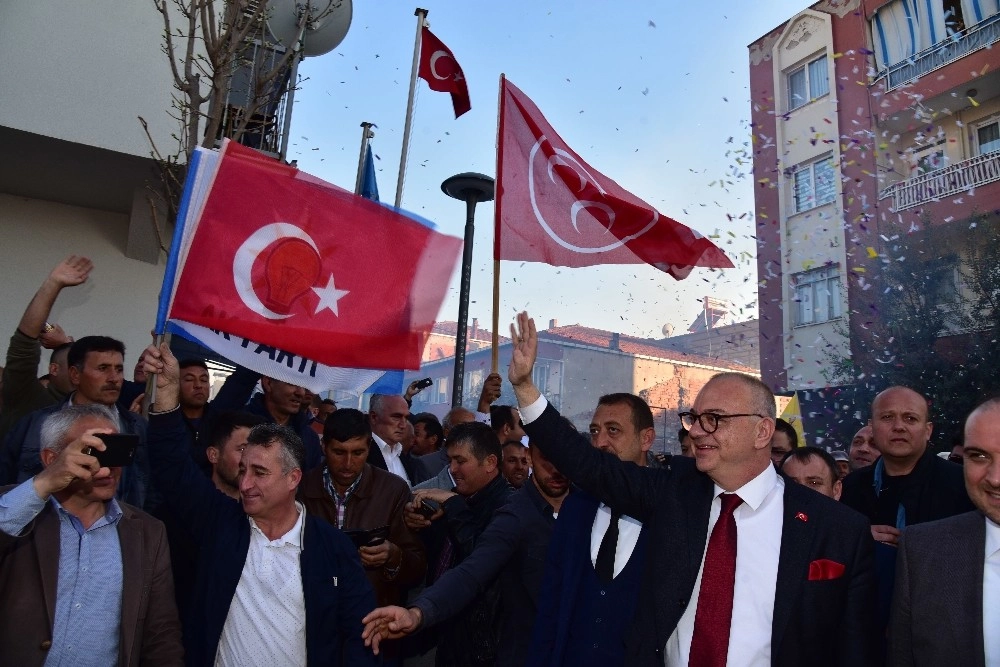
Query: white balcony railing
column 982, row 35
column 951, row 180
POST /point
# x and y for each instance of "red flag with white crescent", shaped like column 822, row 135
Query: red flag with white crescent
column 553, row 207
column 442, row 72
column 283, row 259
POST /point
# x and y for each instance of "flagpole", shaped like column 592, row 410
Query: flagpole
column 421, row 15
column 495, row 355
column 366, row 134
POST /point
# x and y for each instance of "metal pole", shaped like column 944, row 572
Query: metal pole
column 472, row 189
column 421, row 15
column 463, row 304
column 366, row 134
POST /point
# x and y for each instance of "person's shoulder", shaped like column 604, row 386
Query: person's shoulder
column 385, row 482
column 943, row 530
column 147, row 521
column 832, row 512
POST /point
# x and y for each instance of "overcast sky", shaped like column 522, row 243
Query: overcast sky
column 653, row 94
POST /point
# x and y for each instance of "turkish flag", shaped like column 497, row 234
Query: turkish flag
column 283, row 259
column 553, row 207
column 441, row 71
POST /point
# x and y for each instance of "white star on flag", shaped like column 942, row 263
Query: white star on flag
column 329, row 296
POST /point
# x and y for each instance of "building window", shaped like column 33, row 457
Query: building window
column 540, row 376
column 941, row 281
column 988, row 137
column 928, row 159
column 813, row 184
column 817, row 295
column 441, row 390
column 808, row 82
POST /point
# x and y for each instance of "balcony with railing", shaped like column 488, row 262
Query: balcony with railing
column 978, row 36
column 953, row 179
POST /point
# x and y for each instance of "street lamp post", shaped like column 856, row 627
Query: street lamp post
column 471, row 188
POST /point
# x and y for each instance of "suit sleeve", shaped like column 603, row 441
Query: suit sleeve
column 356, row 599
column 461, row 584
column 621, row 485
column 413, row 566
column 900, row 618
column 184, row 486
column 861, row 644
column 161, row 643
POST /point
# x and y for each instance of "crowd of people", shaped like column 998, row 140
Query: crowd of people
column 271, row 527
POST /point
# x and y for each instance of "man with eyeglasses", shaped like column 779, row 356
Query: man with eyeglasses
column 728, row 539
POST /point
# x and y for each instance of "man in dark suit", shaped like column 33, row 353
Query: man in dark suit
column 812, row 605
column 587, row 600
column 950, row 569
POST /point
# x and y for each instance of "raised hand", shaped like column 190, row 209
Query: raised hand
column 162, row 363
column 524, row 340
column 490, row 392
column 71, row 271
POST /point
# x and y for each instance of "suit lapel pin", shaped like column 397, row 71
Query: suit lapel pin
column 801, row 516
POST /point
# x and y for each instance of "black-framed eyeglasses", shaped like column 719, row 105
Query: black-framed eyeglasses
column 709, row 421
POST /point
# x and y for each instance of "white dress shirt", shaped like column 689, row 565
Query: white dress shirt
column 391, row 455
column 758, row 543
column 991, row 594
column 266, row 624
column 628, row 535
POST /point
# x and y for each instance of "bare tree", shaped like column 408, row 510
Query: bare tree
column 217, row 50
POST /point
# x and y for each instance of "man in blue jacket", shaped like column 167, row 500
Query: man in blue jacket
column 274, row 586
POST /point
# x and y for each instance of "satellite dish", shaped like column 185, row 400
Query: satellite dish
column 668, row 329
column 327, row 22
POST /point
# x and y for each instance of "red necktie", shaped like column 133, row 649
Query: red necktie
column 712, row 620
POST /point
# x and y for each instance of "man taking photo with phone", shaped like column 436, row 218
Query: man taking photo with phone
column 86, row 578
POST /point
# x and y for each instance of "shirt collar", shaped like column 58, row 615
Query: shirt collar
column 112, row 510
column 992, row 537
column 756, row 490
column 386, row 447
column 293, row 537
column 332, row 490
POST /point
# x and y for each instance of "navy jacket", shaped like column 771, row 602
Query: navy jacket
column 511, row 551
column 337, row 592
column 561, row 585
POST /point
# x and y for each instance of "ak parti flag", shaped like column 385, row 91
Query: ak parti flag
column 442, row 72
column 553, row 207
column 280, row 258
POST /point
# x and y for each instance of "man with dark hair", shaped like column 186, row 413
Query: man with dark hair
column 226, row 442
column 784, row 440
column 684, row 438
column 281, row 403
column 510, row 554
column 324, row 408
column 84, row 579
column 275, row 585
column 862, row 451
column 594, row 567
column 792, row 567
column 363, row 500
column 950, row 569
column 515, row 465
column 96, row 372
column 429, row 434
column 451, row 532
column 506, row 422
column 814, row 468
column 22, row 392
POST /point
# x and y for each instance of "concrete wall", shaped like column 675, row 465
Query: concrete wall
column 84, row 71
column 118, row 300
